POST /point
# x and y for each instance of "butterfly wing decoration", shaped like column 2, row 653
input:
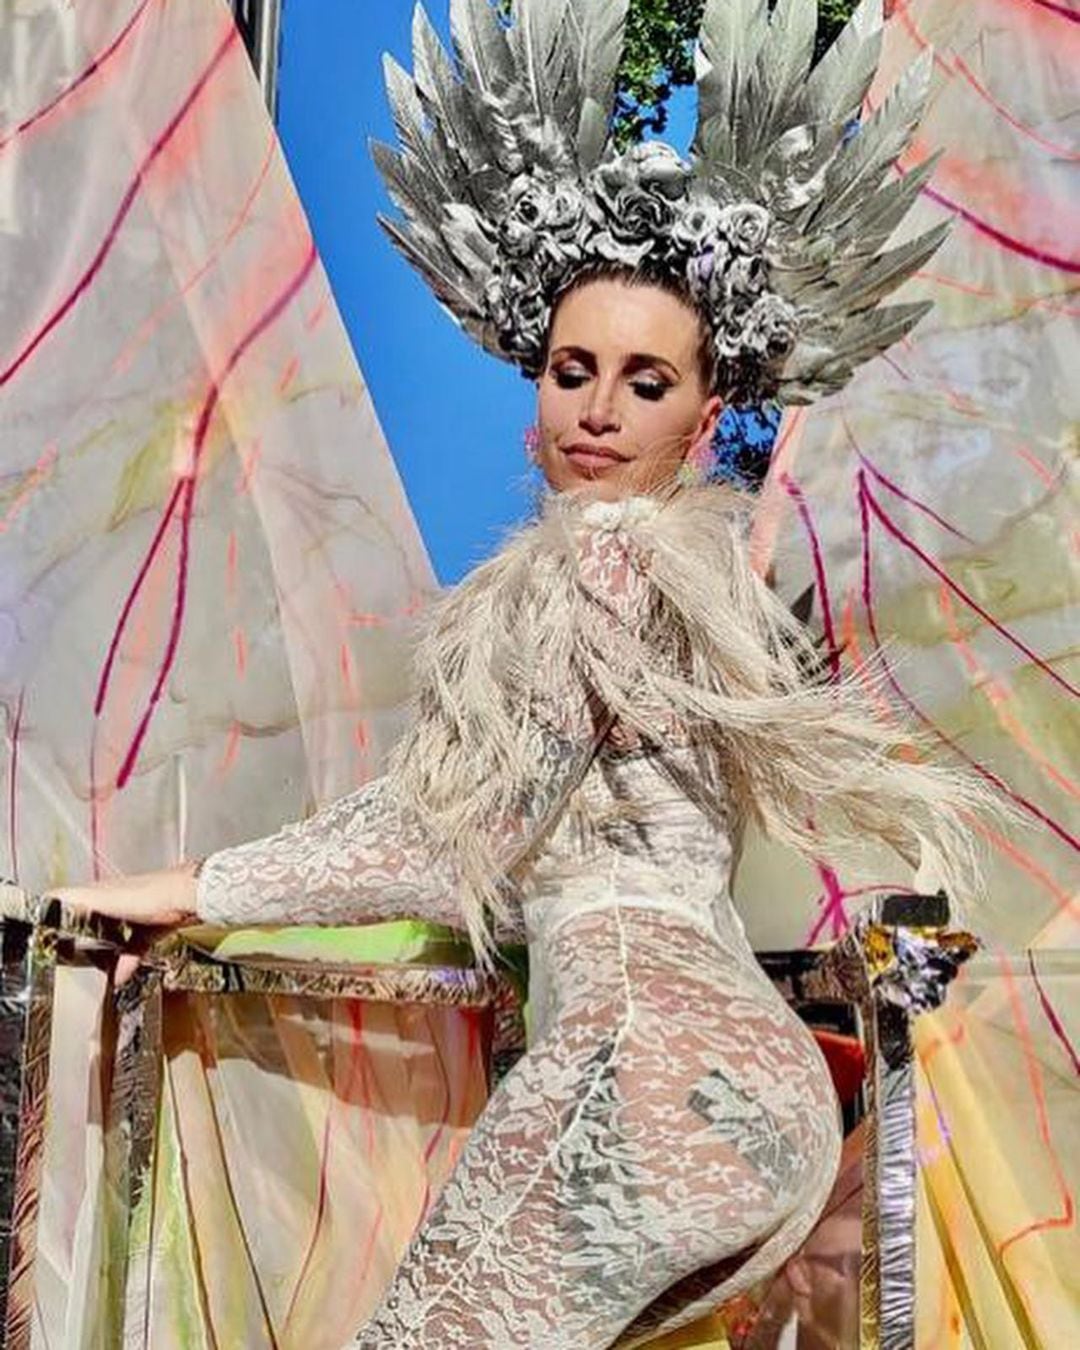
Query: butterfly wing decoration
column 208, row 577
column 931, row 501
column 932, row 504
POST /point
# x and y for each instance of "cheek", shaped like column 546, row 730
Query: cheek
column 662, row 426
column 555, row 407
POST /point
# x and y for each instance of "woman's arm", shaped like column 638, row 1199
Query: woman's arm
column 360, row 859
column 399, row 846
column 390, row 849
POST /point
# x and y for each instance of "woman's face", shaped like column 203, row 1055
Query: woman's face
column 622, row 399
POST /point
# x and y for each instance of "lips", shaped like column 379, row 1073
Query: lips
column 593, row 456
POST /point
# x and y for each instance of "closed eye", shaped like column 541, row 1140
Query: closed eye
column 569, row 379
column 652, row 390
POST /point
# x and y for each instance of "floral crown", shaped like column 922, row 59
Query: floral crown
column 511, row 185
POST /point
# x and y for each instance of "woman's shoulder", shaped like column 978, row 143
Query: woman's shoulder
column 687, row 546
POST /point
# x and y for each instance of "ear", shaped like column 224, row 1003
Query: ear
column 710, row 416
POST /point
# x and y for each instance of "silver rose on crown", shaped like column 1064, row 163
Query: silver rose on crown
column 511, row 185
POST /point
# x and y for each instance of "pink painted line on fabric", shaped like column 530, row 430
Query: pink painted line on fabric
column 241, row 649
column 900, row 9
column 866, row 503
column 288, row 374
column 357, row 618
column 771, row 504
column 955, row 1037
column 147, row 328
column 1052, row 1017
column 96, row 64
column 249, row 461
column 317, row 315
column 1063, row 11
column 1048, row 479
column 1000, row 237
column 1053, row 304
column 1060, row 151
column 444, row 1115
column 229, row 751
column 969, row 600
column 1067, row 1217
column 894, row 365
column 833, row 911
column 157, row 317
column 849, row 893
column 231, row 564
column 189, row 489
column 187, row 499
column 958, row 65
column 133, row 594
column 795, row 492
column 345, row 669
column 1026, row 863
column 999, row 695
column 41, row 470
column 919, row 505
column 356, row 1080
column 127, row 201
column 317, row 1220
column 13, row 774
column 368, row 1254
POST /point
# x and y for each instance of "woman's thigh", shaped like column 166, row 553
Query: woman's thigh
column 594, row 1179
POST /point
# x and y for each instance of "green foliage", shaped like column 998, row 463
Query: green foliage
column 659, row 57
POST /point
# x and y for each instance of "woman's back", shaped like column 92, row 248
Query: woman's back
column 632, row 836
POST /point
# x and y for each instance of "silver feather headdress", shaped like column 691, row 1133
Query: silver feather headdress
column 511, row 184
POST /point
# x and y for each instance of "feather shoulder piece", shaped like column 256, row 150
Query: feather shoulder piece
column 645, row 614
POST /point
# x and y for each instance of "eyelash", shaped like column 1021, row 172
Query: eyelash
column 650, row 390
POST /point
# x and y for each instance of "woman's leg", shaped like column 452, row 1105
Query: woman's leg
column 537, row 1238
column 622, row 1154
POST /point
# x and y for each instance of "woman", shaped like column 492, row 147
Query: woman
column 605, row 702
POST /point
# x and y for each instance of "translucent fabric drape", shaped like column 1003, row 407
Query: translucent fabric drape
column 207, row 572
column 932, row 499
column 933, row 503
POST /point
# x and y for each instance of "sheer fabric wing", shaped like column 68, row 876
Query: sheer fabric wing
column 205, row 600
column 931, row 500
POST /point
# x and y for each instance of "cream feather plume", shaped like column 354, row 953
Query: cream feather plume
column 527, row 664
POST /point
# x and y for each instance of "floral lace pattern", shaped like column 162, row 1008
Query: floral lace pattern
column 671, row 1133
column 672, row 1123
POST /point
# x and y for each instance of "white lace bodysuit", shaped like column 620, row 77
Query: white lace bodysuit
column 671, row 1132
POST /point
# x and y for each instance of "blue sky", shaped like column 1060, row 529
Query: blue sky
column 454, row 416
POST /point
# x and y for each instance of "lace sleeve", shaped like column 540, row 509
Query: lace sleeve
column 613, row 572
column 409, row 843
column 360, row 859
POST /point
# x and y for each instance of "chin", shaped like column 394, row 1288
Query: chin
column 603, row 487
column 622, row 480
column 608, row 487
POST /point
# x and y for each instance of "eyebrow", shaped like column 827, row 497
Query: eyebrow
column 635, row 361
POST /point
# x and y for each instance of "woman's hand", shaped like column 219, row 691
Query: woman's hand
column 154, row 900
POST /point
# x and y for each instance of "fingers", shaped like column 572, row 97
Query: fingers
column 126, row 966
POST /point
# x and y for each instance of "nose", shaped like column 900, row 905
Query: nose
column 599, row 413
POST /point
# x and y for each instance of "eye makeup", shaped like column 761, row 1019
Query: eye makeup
column 650, row 390
column 566, row 378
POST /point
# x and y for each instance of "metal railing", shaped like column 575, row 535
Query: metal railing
column 895, row 963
